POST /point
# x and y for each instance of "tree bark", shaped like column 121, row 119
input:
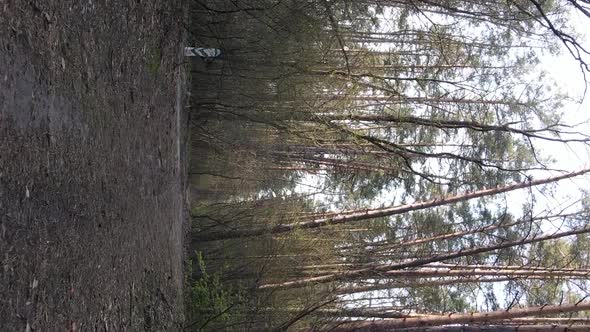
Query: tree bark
column 421, row 283
column 467, row 318
column 383, row 212
column 373, row 271
column 498, row 328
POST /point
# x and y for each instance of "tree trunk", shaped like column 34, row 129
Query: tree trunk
column 468, row 318
column 421, row 283
column 383, row 212
column 372, row 271
column 496, row 328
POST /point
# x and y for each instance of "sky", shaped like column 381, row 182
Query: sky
column 566, row 72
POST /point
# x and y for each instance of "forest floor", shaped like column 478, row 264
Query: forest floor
column 92, row 198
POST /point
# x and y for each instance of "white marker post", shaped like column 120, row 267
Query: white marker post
column 207, row 54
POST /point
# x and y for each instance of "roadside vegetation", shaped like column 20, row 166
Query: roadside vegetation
column 353, row 164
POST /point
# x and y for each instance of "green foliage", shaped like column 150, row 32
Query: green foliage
column 304, row 119
column 208, row 301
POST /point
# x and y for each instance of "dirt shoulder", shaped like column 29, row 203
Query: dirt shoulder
column 91, row 195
